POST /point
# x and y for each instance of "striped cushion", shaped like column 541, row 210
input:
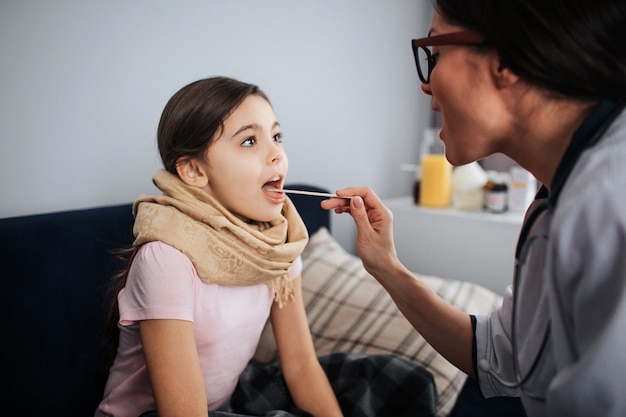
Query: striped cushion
column 349, row 311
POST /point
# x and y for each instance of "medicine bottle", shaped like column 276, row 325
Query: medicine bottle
column 496, row 192
column 522, row 189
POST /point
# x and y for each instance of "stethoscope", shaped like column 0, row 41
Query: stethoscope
column 545, row 200
column 541, row 206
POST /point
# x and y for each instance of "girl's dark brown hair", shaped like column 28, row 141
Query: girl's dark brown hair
column 195, row 115
column 191, row 120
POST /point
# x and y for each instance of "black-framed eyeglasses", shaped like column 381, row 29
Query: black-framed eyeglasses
column 422, row 52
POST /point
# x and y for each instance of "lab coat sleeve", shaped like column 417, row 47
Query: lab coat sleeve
column 588, row 308
column 493, row 344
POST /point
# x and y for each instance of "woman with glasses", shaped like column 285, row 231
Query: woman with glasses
column 544, row 82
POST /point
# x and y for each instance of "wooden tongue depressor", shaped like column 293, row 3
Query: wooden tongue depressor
column 313, row 193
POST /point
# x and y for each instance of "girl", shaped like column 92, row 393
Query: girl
column 214, row 256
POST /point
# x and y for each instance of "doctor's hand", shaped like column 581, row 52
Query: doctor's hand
column 374, row 222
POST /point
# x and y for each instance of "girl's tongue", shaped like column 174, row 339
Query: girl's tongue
column 271, row 184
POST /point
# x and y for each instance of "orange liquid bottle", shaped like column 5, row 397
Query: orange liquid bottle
column 436, row 175
column 435, row 185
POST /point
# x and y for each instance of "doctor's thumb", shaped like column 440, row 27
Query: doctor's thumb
column 358, row 212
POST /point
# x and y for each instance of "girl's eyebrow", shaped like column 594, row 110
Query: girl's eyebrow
column 252, row 126
column 245, row 127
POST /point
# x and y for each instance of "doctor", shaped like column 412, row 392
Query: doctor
column 544, row 82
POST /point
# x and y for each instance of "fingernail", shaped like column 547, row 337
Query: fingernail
column 358, row 202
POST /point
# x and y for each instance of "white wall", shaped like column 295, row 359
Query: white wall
column 83, row 83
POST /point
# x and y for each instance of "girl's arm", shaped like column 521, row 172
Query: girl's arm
column 174, row 368
column 306, row 380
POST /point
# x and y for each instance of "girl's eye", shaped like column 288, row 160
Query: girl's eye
column 278, row 138
column 249, row 141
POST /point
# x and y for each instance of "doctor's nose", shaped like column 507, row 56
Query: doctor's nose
column 426, row 89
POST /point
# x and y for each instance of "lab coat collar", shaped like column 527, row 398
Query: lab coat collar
column 586, row 136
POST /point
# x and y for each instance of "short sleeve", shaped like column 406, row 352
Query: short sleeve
column 296, row 269
column 162, row 284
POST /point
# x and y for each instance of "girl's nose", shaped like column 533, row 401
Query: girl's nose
column 277, row 154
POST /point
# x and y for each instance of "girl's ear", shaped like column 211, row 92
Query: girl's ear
column 191, row 172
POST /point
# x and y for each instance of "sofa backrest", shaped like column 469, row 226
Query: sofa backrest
column 56, row 271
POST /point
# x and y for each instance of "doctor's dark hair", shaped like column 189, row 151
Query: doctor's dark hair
column 195, row 115
column 574, row 48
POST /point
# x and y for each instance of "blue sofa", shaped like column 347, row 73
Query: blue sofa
column 56, row 270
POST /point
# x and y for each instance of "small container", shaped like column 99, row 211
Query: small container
column 522, row 189
column 417, row 170
column 496, row 192
column 416, row 190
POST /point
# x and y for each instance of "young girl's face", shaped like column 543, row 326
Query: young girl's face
column 246, row 157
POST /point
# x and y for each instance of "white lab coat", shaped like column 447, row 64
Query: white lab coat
column 571, row 287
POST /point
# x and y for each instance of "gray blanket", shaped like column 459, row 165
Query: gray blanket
column 365, row 386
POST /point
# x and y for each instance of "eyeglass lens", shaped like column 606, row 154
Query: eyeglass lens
column 423, row 61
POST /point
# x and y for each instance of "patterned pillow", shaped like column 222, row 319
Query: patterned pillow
column 349, row 311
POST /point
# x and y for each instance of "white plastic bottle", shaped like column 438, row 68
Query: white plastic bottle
column 467, row 187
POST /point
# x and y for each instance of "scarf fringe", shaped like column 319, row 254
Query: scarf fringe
column 283, row 290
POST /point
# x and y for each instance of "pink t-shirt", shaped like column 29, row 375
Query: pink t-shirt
column 228, row 321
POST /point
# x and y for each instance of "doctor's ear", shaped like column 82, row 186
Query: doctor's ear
column 191, row 172
column 502, row 74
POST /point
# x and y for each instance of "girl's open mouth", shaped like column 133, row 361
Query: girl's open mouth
column 273, row 190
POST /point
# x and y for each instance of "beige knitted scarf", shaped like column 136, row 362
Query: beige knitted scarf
column 224, row 249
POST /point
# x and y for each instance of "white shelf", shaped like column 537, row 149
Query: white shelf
column 470, row 246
